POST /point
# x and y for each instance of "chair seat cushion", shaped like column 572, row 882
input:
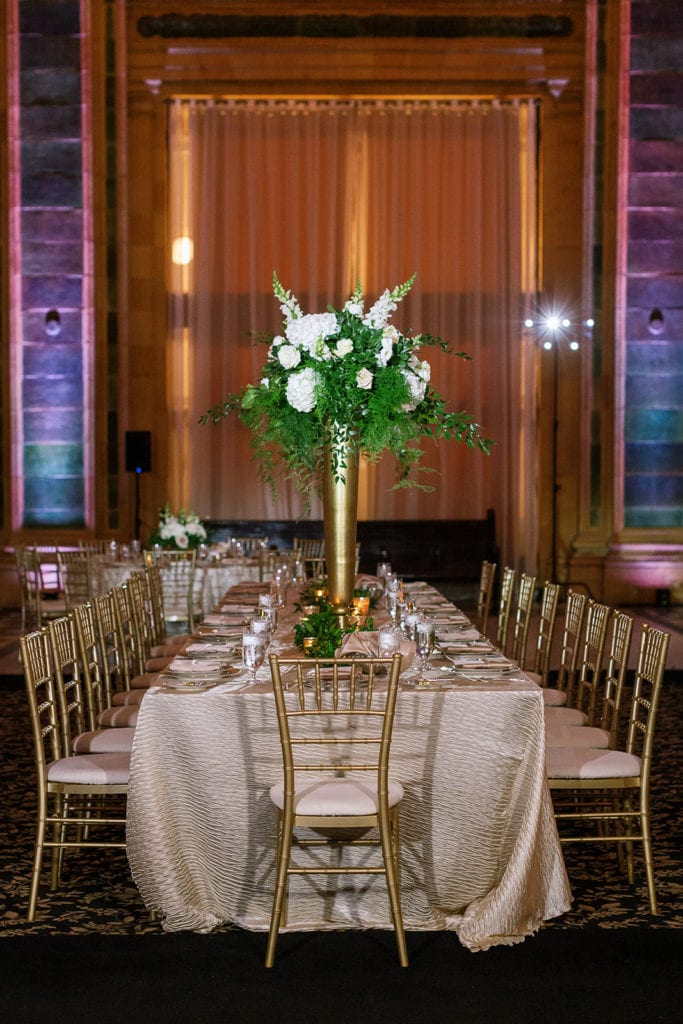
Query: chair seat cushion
column 104, row 741
column 158, row 664
column 329, row 796
column 91, row 769
column 167, row 649
column 564, row 716
column 147, row 679
column 119, row 718
column 554, row 698
column 576, row 736
column 580, row 763
column 127, row 697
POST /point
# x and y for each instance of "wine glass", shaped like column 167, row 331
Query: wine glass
column 253, row 652
column 424, row 642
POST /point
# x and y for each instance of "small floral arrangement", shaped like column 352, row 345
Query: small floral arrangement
column 345, row 377
column 178, row 532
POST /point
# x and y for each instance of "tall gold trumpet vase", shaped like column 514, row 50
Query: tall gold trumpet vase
column 340, row 512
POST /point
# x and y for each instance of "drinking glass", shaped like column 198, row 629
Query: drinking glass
column 253, row 652
column 424, row 642
column 388, row 641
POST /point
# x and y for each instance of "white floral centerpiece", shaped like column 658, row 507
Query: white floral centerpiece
column 345, row 377
column 178, row 532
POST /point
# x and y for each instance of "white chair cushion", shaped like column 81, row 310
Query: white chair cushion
column 104, row 741
column 554, row 698
column 580, row 763
column 565, row 716
column 91, row 769
column 125, row 697
column 119, row 718
column 576, row 736
column 325, row 796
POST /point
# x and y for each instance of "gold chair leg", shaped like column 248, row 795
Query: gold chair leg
column 389, row 853
column 649, row 861
column 284, row 853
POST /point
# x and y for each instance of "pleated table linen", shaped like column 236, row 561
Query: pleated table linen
column 480, row 852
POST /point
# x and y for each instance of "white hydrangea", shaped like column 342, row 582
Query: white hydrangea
column 309, row 333
column 417, row 388
column 343, row 347
column 364, row 379
column 289, row 356
column 301, row 390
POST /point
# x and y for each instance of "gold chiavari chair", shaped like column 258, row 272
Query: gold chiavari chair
column 182, row 603
column 162, row 642
column 546, row 633
column 122, row 710
column 485, row 595
column 522, row 619
column 30, row 586
column 77, row 795
column 308, row 547
column 95, row 547
column 609, row 790
column 80, row 691
column 331, row 711
column 605, row 733
column 588, row 669
column 572, row 630
column 251, row 544
column 76, row 575
column 505, row 598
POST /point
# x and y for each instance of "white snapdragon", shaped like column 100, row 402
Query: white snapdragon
column 343, row 347
column 364, row 379
column 301, row 390
column 289, row 356
column 417, row 388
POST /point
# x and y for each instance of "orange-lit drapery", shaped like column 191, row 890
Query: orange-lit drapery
column 327, row 193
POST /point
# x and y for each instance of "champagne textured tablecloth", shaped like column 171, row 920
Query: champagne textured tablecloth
column 480, row 850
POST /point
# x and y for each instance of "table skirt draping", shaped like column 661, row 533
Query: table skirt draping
column 480, row 852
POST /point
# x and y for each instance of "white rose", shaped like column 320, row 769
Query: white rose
column 289, row 356
column 353, row 307
column 181, row 540
column 343, row 347
column 277, row 340
column 364, row 379
column 301, row 390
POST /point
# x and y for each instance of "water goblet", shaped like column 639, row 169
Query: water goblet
column 253, row 652
column 388, row 641
column 424, row 642
column 261, row 626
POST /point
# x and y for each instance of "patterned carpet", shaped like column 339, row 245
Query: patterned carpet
column 84, row 904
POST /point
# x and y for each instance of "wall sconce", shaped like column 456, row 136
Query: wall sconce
column 655, row 324
column 53, row 323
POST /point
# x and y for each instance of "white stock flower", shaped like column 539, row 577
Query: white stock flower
column 389, row 338
column 343, row 347
column 364, row 379
column 378, row 314
column 301, row 390
column 289, row 356
column 421, row 367
column 417, row 390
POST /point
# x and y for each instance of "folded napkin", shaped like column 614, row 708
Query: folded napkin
column 208, row 648
column 367, row 643
column 192, row 666
column 237, row 609
column 482, row 662
column 443, row 633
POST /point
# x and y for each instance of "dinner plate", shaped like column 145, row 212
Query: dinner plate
column 205, row 668
column 187, row 685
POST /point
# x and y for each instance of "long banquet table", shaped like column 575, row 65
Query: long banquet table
column 480, row 853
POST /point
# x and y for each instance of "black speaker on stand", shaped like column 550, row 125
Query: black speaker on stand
column 138, row 460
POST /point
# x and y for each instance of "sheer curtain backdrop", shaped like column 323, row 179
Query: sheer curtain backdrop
column 327, row 193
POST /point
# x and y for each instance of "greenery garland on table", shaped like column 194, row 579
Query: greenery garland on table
column 324, row 627
column 345, row 376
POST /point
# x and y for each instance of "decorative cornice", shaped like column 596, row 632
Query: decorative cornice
column 220, row 26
